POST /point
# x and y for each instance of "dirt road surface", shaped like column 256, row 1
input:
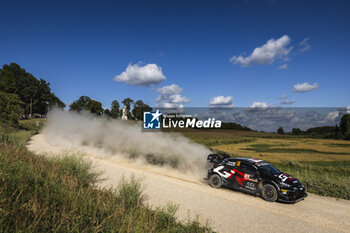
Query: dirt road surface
column 226, row 210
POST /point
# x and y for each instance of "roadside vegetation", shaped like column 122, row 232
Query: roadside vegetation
column 38, row 194
column 323, row 165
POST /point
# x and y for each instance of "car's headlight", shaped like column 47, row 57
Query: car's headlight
column 285, row 185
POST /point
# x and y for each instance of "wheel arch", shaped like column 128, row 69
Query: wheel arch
column 269, row 182
column 213, row 184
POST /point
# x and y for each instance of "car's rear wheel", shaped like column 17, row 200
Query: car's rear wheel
column 215, row 181
column 269, row 193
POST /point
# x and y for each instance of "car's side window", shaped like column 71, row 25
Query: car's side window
column 247, row 168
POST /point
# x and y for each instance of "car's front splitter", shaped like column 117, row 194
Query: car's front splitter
column 292, row 200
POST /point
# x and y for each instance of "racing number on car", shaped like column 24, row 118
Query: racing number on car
column 283, row 177
column 224, row 174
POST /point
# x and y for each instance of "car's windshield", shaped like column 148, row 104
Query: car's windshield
column 267, row 169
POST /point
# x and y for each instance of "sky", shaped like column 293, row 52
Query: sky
column 184, row 53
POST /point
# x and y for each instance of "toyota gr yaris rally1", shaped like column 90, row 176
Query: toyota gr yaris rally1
column 254, row 176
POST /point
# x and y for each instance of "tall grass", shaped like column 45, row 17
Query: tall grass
column 34, row 124
column 61, row 195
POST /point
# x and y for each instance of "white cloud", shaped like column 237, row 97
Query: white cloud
column 179, row 99
column 305, row 45
column 259, row 105
column 283, row 96
column 169, row 105
column 170, row 97
column 348, row 109
column 287, row 101
column 267, row 53
column 170, row 90
column 221, row 101
column 305, row 87
column 283, row 67
column 139, row 75
column 332, row 115
column 284, row 100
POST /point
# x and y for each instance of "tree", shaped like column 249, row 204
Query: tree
column 127, row 103
column 11, row 108
column 107, row 112
column 323, row 131
column 35, row 94
column 297, row 131
column 54, row 101
column 85, row 103
column 139, row 108
column 336, row 132
column 80, row 104
column 233, row 125
column 280, row 130
column 95, row 107
column 345, row 126
column 114, row 113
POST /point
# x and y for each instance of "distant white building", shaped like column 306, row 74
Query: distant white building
column 124, row 116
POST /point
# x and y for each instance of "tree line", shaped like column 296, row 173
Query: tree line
column 85, row 103
column 23, row 95
column 337, row 132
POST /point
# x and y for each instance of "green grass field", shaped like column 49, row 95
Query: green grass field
column 323, row 165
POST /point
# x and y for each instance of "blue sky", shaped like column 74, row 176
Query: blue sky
column 80, row 48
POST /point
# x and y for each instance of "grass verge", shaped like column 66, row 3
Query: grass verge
column 61, row 195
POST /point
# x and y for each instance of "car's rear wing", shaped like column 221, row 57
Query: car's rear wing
column 217, row 158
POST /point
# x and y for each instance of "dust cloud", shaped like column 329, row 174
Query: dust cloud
column 117, row 139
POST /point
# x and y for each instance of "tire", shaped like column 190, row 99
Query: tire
column 269, row 193
column 215, row 181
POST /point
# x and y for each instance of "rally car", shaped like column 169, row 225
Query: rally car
column 254, row 176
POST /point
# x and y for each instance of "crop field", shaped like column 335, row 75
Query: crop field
column 323, row 165
column 271, row 147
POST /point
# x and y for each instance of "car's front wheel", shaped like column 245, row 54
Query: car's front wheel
column 269, row 193
column 215, row 181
